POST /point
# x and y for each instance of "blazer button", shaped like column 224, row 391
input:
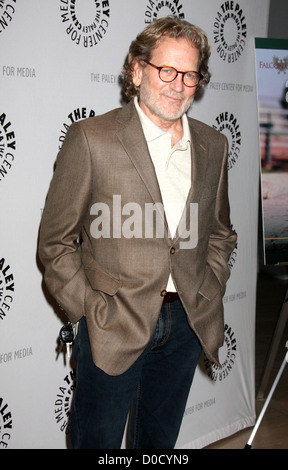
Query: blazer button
column 163, row 293
column 172, row 250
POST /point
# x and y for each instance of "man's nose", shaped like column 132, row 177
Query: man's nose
column 178, row 84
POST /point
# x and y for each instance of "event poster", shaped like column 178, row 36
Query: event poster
column 272, row 82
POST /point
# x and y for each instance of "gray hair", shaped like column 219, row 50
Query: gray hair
column 142, row 47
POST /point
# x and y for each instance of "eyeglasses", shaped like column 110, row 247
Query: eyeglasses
column 168, row 74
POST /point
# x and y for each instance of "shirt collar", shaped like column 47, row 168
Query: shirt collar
column 153, row 132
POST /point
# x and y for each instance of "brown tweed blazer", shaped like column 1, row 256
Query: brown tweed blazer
column 115, row 280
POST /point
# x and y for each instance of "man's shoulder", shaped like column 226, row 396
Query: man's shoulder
column 204, row 129
column 92, row 121
column 108, row 119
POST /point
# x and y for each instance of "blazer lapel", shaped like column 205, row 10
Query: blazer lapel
column 133, row 140
column 199, row 153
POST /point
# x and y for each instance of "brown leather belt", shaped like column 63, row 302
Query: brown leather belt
column 170, row 297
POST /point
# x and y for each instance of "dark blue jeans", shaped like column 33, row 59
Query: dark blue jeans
column 156, row 386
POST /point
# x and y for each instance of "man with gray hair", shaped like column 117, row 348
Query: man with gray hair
column 147, row 300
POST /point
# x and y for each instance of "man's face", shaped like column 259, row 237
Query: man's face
column 166, row 102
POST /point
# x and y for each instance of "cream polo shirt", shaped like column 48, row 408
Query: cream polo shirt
column 172, row 167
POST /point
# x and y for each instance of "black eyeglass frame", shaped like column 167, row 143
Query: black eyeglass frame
column 159, row 68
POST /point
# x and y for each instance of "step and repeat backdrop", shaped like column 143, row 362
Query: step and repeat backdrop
column 60, row 62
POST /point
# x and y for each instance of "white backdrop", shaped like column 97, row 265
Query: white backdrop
column 60, row 61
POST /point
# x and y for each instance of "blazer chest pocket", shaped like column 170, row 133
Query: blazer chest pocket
column 102, row 281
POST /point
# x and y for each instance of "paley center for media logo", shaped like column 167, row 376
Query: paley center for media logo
column 230, row 31
column 162, row 8
column 5, row 423
column 7, row 145
column 227, row 357
column 62, row 405
column 131, row 220
column 6, row 288
column 228, row 124
column 7, row 11
column 86, row 22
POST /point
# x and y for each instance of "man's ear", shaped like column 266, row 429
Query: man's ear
column 137, row 73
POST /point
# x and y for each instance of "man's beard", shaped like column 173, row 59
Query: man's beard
column 155, row 108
